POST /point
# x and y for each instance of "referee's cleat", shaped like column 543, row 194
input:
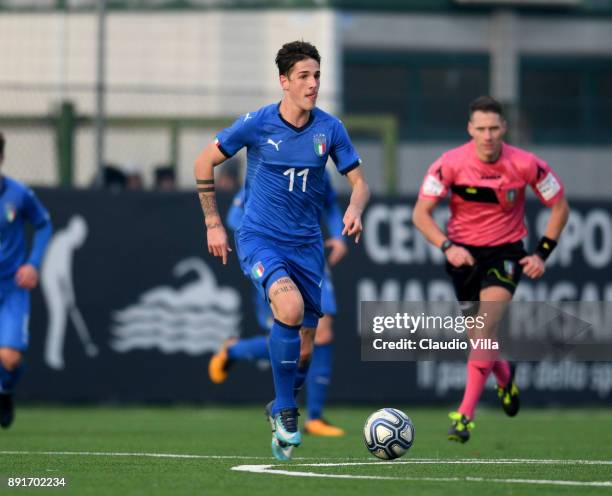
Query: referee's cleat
column 281, row 451
column 460, row 427
column 7, row 410
column 321, row 427
column 509, row 395
column 220, row 363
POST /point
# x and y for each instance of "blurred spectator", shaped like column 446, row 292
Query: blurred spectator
column 118, row 178
column 165, row 178
column 114, row 178
column 133, row 174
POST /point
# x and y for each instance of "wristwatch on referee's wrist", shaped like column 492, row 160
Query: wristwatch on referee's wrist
column 446, row 244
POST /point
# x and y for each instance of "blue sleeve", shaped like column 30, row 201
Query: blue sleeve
column 236, row 211
column 331, row 211
column 39, row 244
column 342, row 151
column 38, row 216
column 240, row 134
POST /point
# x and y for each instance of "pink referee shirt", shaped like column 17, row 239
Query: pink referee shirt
column 488, row 199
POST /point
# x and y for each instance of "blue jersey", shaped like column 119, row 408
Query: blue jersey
column 285, row 180
column 18, row 205
column 333, row 220
column 236, row 211
column 331, row 212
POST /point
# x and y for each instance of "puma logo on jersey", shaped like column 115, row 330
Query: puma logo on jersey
column 275, row 145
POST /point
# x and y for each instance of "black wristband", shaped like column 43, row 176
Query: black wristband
column 446, row 244
column 205, row 185
column 545, row 247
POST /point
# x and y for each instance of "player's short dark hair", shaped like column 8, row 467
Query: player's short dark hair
column 486, row 104
column 2, row 141
column 293, row 52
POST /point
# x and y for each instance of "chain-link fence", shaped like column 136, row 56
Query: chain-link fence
column 186, row 72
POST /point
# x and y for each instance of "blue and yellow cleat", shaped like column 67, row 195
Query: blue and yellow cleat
column 220, row 363
column 460, row 427
column 321, row 427
column 509, row 395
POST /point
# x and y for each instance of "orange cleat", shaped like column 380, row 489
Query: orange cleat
column 219, row 363
column 321, row 427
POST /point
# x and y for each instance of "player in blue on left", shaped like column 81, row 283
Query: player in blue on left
column 18, row 275
column 279, row 242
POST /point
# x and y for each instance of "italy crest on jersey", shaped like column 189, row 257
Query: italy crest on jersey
column 257, row 270
column 320, row 144
column 10, row 212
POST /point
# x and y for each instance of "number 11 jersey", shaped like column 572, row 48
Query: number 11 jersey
column 285, row 185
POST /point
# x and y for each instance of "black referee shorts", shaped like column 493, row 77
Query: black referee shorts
column 495, row 266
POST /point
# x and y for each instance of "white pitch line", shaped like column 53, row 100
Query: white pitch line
column 165, row 455
column 267, row 469
column 350, row 461
column 466, row 461
column 146, row 455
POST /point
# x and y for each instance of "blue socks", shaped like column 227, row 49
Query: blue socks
column 284, row 347
column 318, row 380
column 8, row 380
column 300, row 377
column 255, row 348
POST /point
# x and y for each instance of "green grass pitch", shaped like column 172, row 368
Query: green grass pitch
column 111, row 451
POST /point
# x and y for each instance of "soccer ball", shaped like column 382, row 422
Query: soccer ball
column 388, row 433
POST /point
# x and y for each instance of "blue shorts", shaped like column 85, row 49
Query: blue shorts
column 14, row 317
column 264, row 312
column 328, row 295
column 264, row 262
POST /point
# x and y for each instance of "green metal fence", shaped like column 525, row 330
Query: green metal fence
column 65, row 122
column 562, row 6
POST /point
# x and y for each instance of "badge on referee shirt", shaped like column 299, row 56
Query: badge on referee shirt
column 509, row 268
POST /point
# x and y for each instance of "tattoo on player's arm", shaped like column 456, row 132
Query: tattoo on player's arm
column 206, row 192
column 209, row 204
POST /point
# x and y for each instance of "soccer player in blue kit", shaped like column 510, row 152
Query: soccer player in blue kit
column 18, row 275
column 279, row 242
column 256, row 347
